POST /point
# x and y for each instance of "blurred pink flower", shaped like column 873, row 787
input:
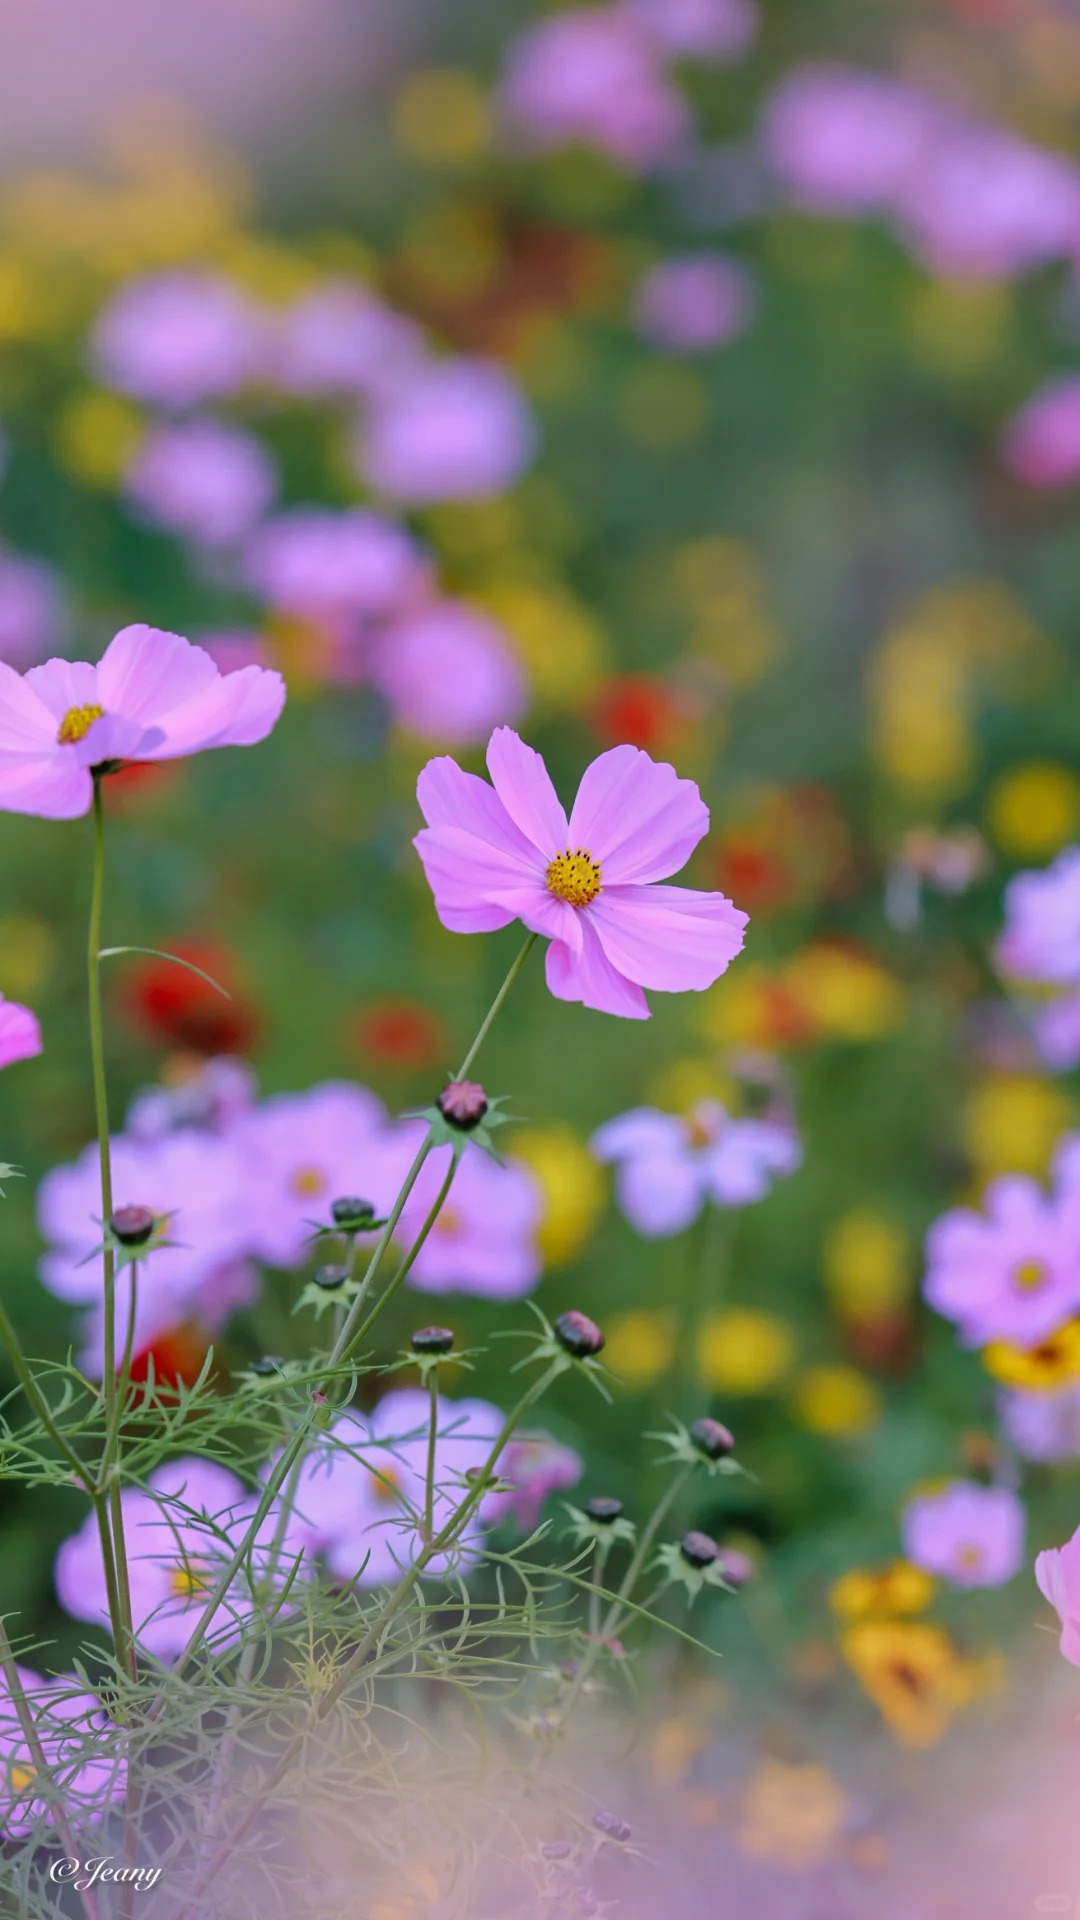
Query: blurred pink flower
column 177, row 339
column 1042, row 1426
column 447, row 430
column 82, row 1747
column 202, row 481
column 1057, row 1571
column 716, row 30
column 1055, row 1029
column 693, row 303
column 985, row 203
column 1041, row 443
column 234, row 648
column 967, row 1533
column 313, row 562
column 594, row 75
column 20, row 1033
column 340, row 339
column 450, row 674
column 1041, row 937
column 152, row 696
column 299, row 1152
column 484, row 1240
column 493, row 854
column 1011, row 1272
column 31, row 610
column 669, row 1167
column 533, row 1465
column 214, row 1095
column 844, row 141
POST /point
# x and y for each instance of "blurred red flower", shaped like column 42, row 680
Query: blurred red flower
column 174, row 1006
column 177, row 1355
column 401, row 1033
column 638, row 709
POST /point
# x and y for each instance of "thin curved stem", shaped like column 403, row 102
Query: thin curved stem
column 526, row 949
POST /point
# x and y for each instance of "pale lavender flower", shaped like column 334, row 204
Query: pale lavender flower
column 1041, row 443
column 844, row 141
column 82, row 1748
column 1011, row 1272
column 202, row 481
column 532, row 1466
column 1042, row 1426
column 300, row 1151
column 969, row 1534
column 317, row 563
column 178, row 339
column 339, row 339
column 1041, row 937
column 696, row 302
column 448, row 430
column 985, row 203
column 719, row 31
column 449, row 674
column 31, row 610
column 484, row 1239
column 1055, row 1029
column 216, row 1094
column 669, row 1167
column 594, row 75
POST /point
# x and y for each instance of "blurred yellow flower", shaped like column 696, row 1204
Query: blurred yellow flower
column 681, row 1085
column 96, row 436
column 792, row 1814
column 845, row 991
column 27, row 947
column 1012, row 1122
column 562, row 646
column 744, row 1351
column 867, row 1264
column 898, row 1588
column 720, row 585
column 958, row 327
column 640, row 1346
column 1034, row 809
column 572, row 1186
column 441, row 115
column 27, row 303
column 836, row 1400
column 674, row 1747
column 914, row 1675
column 664, row 406
column 1051, row 1364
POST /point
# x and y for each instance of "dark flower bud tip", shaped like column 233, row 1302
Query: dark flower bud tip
column 463, row 1103
column 270, row 1363
column 132, row 1226
column 712, row 1438
column 351, row 1213
column 697, row 1549
column 612, row 1826
column 330, row 1278
column 602, row 1509
column 577, row 1334
column 432, row 1340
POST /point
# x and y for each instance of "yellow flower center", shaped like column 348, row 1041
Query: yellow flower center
column 574, row 877
column 1029, row 1275
column 969, row 1555
column 185, row 1581
column 77, row 723
column 21, row 1776
column 386, row 1486
column 450, row 1224
column 308, row 1182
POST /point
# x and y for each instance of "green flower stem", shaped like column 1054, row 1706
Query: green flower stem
column 389, row 1292
column 433, row 1429
column 496, row 1004
column 39, row 1403
column 43, row 1772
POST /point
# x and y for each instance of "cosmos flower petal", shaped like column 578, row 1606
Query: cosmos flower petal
column 670, row 938
column 62, row 684
column 20, row 1033
column 451, row 798
column 523, row 784
column 473, row 877
column 590, row 978
column 636, row 817
column 28, row 724
column 641, row 1130
column 114, row 737
column 544, row 913
column 54, row 788
column 660, row 1194
column 236, row 710
column 145, row 673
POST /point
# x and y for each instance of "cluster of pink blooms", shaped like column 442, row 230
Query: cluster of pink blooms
column 669, row 1168
column 691, row 303
column 1040, row 946
column 599, row 75
column 969, row 1534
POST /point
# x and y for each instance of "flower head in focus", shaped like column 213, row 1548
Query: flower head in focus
column 493, row 854
column 969, row 1534
column 152, row 696
column 669, row 1167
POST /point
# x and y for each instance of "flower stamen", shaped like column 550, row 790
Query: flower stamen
column 77, row 723
column 1029, row 1275
column 574, row 876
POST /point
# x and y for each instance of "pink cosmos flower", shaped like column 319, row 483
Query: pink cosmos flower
column 177, row 339
column 715, row 30
column 507, row 852
column 1058, row 1574
column 985, row 203
column 967, row 1533
column 1042, row 1426
column 340, row 339
column 532, row 1466
column 669, row 1167
column 844, row 141
column 20, row 1033
column 298, row 1153
column 82, row 1747
column 450, row 674
column 1041, row 937
column 361, row 1493
column 448, row 430
column 594, row 75
column 484, row 1239
column 1055, row 1029
column 1011, row 1272
column 319, row 564
column 152, row 696
column 1041, row 443
column 214, row 1095
column 202, row 481
column 31, row 610
column 694, row 303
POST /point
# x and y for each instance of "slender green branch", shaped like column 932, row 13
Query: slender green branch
column 39, row 1403
column 496, row 1004
column 433, row 1434
column 389, row 1291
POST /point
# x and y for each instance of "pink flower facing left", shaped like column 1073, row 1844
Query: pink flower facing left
column 152, row 696
column 1058, row 1574
column 507, row 852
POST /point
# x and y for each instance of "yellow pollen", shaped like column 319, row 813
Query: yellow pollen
column 1029, row 1275
column 186, row 1581
column 308, row 1182
column 77, row 723
column 21, row 1776
column 969, row 1555
column 386, row 1486
column 450, row 1224
column 574, row 877
column 698, row 1133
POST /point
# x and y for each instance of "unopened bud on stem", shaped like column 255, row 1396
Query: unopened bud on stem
column 463, row 1104
column 432, row 1340
column 577, row 1334
column 132, row 1226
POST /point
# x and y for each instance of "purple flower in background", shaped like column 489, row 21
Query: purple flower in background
column 236, row 648
column 967, row 1533
column 532, row 1465
column 716, row 30
column 216, row 1094
column 690, row 304
column 669, row 1168
column 1055, row 1029
column 300, row 1151
column 82, row 1747
column 31, row 610
column 1042, row 1426
column 340, row 339
column 843, row 141
column 319, row 564
column 202, row 481
column 360, row 1497
column 178, row 339
column 1057, row 1572
column 594, row 75
column 1041, row 938
column 484, row 1240
column 20, row 1033
column 449, row 430
column 1010, row 1273
column 450, row 674
column 982, row 202
column 1041, row 443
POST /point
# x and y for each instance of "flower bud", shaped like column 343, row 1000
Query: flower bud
column 577, row 1334
column 463, row 1104
column 352, row 1214
column 270, row 1363
column 132, row 1226
column 330, row 1278
column 432, row 1340
column 712, row 1439
column 697, row 1549
column 602, row 1509
column 611, row 1825
column 736, row 1566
